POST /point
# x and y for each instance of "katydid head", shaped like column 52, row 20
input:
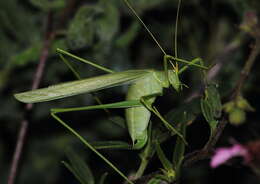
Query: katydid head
column 173, row 76
column 174, row 80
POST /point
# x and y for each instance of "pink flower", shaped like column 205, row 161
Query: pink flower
column 224, row 154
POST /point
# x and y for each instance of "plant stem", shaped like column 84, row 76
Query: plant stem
column 24, row 123
column 141, row 168
column 18, row 151
column 206, row 152
column 247, row 68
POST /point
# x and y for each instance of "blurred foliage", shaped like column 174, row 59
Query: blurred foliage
column 107, row 33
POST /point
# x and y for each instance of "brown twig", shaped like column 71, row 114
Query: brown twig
column 49, row 36
column 207, row 150
column 18, row 151
column 250, row 25
column 246, row 69
column 24, row 123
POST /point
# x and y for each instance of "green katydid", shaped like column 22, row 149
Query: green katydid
column 139, row 98
column 146, row 85
column 138, row 105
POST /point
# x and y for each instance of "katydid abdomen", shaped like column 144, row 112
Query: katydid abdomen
column 138, row 118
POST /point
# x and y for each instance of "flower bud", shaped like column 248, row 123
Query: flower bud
column 237, row 116
column 243, row 104
column 229, row 106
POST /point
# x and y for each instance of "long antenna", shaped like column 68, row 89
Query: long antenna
column 176, row 30
column 150, row 33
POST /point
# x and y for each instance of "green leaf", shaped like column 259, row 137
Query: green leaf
column 211, row 106
column 111, row 145
column 28, row 55
column 126, row 38
column 118, row 120
column 146, row 4
column 47, row 5
column 159, row 179
column 32, row 53
column 103, row 178
column 71, row 169
column 165, row 162
column 214, row 99
column 81, row 29
column 108, row 22
column 58, row 43
column 78, row 167
column 177, row 116
column 179, row 149
column 207, row 110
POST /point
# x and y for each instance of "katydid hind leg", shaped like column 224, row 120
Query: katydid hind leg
column 116, row 105
column 123, row 104
column 73, row 70
column 107, row 70
column 86, row 143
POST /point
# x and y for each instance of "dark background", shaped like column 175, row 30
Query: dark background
column 107, row 33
